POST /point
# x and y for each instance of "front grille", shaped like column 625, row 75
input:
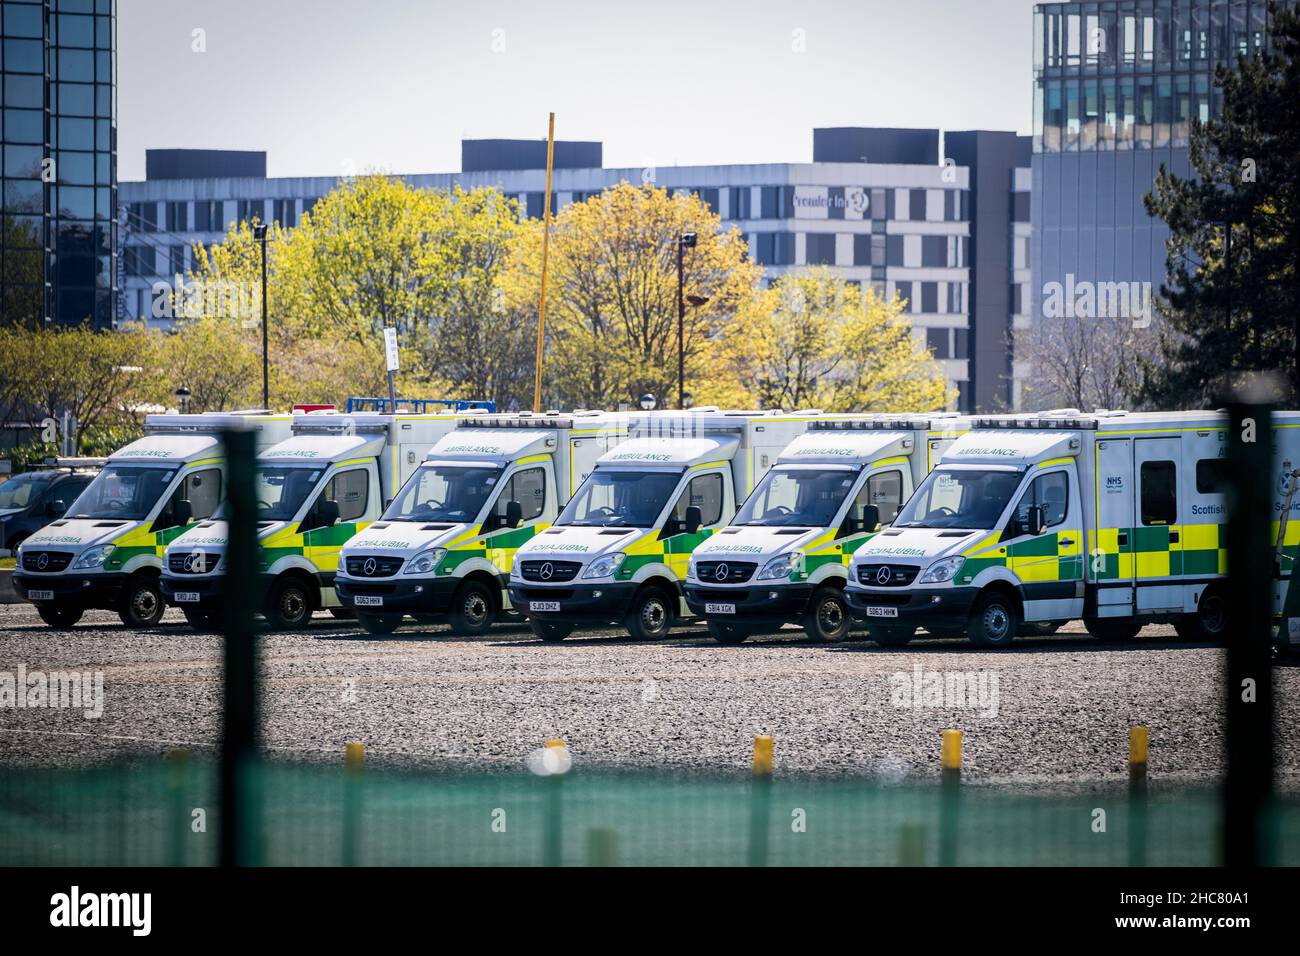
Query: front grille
column 724, row 572
column 899, row 575
column 46, row 561
column 549, row 571
column 373, row 566
column 193, row 562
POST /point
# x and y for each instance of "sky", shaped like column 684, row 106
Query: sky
column 328, row 87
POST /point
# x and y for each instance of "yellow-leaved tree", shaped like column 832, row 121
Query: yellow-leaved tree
column 611, row 316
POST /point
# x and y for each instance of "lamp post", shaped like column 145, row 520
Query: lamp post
column 259, row 233
column 686, row 240
column 647, row 402
column 183, row 399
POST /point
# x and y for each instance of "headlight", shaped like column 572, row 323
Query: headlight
column 941, row 571
column 781, row 567
column 93, row 557
column 514, row 566
column 604, row 566
column 425, row 561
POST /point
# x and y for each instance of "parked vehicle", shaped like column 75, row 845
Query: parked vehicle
column 619, row 550
column 1115, row 518
column 107, row 550
column 31, row 500
column 784, row 557
column 315, row 490
column 444, row 547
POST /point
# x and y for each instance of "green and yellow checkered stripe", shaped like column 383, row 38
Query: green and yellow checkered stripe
column 1038, row 559
column 651, row 549
column 320, row 546
column 497, row 547
column 827, row 549
column 1200, row 551
column 143, row 540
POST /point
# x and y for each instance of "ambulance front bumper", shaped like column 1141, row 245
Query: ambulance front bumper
column 411, row 596
column 204, row 592
column 774, row 602
column 930, row 608
column 85, row 591
column 601, row 603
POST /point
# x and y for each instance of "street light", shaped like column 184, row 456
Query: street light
column 647, row 402
column 687, row 240
column 183, row 398
column 259, row 233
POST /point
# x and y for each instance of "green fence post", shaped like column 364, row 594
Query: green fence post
column 178, row 778
column 354, row 762
column 950, row 796
column 760, row 805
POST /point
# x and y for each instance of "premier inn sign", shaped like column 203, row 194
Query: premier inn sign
column 832, row 202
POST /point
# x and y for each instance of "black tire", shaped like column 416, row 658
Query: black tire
column 202, row 620
column 289, row 604
column 827, row 620
column 651, row 616
column 1209, row 623
column 141, row 604
column 1114, row 630
column 552, row 632
column 994, row 621
column 725, row 633
column 473, row 609
column 343, row 613
column 890, row 636
column 59, row 616
column 373, row 623
column 1039, row 628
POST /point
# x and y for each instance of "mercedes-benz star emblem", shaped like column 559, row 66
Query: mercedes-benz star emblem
column 42, row 562
column 722, row 572
column 369, row 566
column 546, row 571
column 883, row 576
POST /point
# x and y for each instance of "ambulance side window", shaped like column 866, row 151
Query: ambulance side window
column 705, row 493
column 528, row 487
column 202, row 490
column 1049, row 492
column 351, row 489
column 1211, row 476
column 885, row 491
column 1159, row 504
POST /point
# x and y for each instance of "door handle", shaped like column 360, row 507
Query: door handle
column 1122, row 538
column 1173, row 536
column 1065, row 542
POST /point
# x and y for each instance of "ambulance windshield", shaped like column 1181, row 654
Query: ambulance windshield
column 797, row 498
column 620, row 499
column 282, row 491
column 444, row 493
column 127, row 492
column 960, row 498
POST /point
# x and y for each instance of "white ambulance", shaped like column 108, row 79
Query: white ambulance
column 315, row 490
column 619, row 551
column 1029, row 521
column 443, row 548
column 107, row 550
column 784, row 557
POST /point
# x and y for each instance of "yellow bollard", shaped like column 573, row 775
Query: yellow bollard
column 950, row 753
column 555, row 742
column 763, row 756
column 1138, row 745
column 354, row 756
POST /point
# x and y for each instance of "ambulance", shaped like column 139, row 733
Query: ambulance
column 107, row 550
column 619, row 551
column 315, row 490
column 442, row 551
column 1116, row 518
column 784, row 557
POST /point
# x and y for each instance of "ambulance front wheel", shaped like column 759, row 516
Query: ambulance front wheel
column 651, row 615
column 202, row 620
column 142, row 602
column 290, row 604
column 59, row 616
column 725, row 633
column 827, row 620
column 993, row 621
column 550, row 631
column 472, row 609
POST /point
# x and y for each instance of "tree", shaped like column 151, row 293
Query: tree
column 611, row 316
column 1232, row 292
column 1083, row 362
column 818, row 341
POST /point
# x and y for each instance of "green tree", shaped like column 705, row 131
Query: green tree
column 1232, row 291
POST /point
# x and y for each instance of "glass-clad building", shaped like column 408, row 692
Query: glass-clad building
column 1116, row 86
column 58, row 260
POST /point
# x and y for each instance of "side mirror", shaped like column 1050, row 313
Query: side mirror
column 1035, row 521
column 870, row 518
column 182, row 511
column 324, row 515
column 55, row 508
column 694, row 519
column 514, row 514
column 388, row 503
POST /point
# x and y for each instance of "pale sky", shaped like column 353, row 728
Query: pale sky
column 334, row 86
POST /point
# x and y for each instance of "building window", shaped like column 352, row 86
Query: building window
column 916, row 205
column 894, row 250
column 1020, row 207
column 775, row 248
column 178, row 219
column 861, row 249
column 929, row 297
column 250, row 209
column 939, row 342
column 934, row 252
column 740, row 202
column 285, row 213
column 820, row 248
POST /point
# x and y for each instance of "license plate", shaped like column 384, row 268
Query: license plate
column 40, row 595
column 543, row 605
column 187, row 597
column 882, row 612
column 719, row 609
column 368, row 600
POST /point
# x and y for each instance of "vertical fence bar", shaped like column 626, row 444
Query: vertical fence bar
column 1137, row 796
column 178, row 778
column 552, row 823
column 760, row 806
column 1249, row 690
column 950, row 796
column 240, row 827
column 354, row 762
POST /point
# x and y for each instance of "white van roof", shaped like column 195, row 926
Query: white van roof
column 670, row 452
column 845, row 446
column 1011, row 447
column 168, row 447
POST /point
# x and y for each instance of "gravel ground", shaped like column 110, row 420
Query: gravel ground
column 425, row 698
